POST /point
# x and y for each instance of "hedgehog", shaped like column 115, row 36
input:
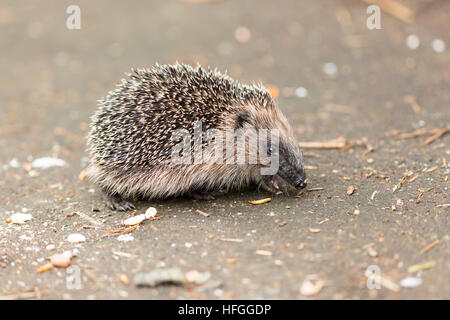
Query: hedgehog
column 132, row 146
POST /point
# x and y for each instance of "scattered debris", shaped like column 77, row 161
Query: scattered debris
column 121, row 230
column 46, row 267
column 421, row 266
column 430, row 169
column 60, row 260
column 159, row 277
column 202, row 213
column 82, row 176
column 350, row 190
column 310, row 288
column 444, row 205
column 301, row 92
column 429, row 247
column 125, row 237
column 421, row 192
column 124, row 279
column 389, row 284
column 312, row 230
column 403, row 180
column 124, row 254
column 315, row 189
column 410, row 282
column 231, row 240
column 337, row 143
column 413, row 42
column 150, row 212
column 373, row 195
column 330, row 68
column 48, row 162
column 76, row 238
column 263, row 252
column 438, row 45
column 88, row 218
column 372, row 252
column 412, row 101
column 261, row 201
column 19, row 218
column 435, row 134
column 134, row 220
column 196, row 277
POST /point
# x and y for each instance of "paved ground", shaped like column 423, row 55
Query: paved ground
column 51, row 78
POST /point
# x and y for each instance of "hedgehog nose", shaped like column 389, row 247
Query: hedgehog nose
column 300, row 185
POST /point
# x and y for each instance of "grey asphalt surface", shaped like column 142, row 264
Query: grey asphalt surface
column 51, row 78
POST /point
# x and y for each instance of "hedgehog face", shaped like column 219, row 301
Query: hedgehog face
column 284, row 158
column 290, row 165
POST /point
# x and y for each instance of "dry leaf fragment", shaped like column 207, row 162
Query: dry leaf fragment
column 350, row 190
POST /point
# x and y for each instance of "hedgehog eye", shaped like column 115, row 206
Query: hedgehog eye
column 269, row 150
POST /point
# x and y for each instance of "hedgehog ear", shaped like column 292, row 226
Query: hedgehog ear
column 242, row 118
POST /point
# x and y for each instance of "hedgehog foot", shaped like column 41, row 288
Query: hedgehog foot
column 116, row 202
column 207, row 195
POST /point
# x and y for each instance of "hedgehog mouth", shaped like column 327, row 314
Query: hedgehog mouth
column 272, row 182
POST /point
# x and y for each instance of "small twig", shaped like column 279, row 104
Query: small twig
column 315, row 189
column 88, row 218
column 202, row 213
column 231, row 240
column 331, row 144
column 403, row 180
column 429, row 247
column 439, row 133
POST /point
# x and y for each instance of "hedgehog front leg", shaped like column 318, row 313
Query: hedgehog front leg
column 116, row 202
